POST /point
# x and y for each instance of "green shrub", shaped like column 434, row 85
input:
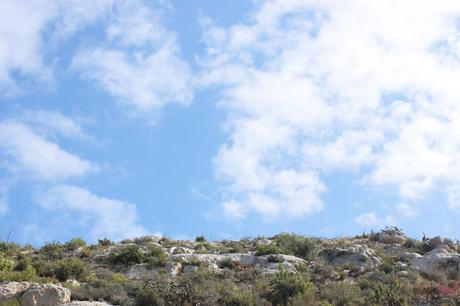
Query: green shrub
column 268, row 249
column 9, row 248
column 105, row 242
column 97, row 290
column 23, row 262
column 297, row 245
column 343, row 293
column 118, row 278
column 389, row 291
column 130, row 254
column 417, row 246
column 70, row 268
column 74, row 244
column 389, row 265
column 44, row 267
column 11, row 303
column 6, row 264
column 52, row 250
column 156, row 257
column 274, row 258
column 285, row 286
column 29, row 274
column 228, row 263
column 200, row 239
column 149, row 296
column 233, row 296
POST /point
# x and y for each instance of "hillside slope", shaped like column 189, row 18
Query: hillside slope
column 384, row 268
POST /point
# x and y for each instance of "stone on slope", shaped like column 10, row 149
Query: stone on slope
column 180, row 250
column 174, row 268
column 45, row 295
column 441, row 259
column 140, row 272
column 211, row 261
column 357, row 255
column 437, row 241
column 12, row 290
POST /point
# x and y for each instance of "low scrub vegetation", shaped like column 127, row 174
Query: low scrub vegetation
column 143, row 271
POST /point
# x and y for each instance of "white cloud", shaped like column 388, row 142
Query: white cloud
column 30, row 151
column 406, row 209
column 20, row 42
column 52, row 123
column 105, row 217
column 32, row 156
column 371, row 220
column 233, row 210
column 320, row 86
column 140, row 64
column 24, row 45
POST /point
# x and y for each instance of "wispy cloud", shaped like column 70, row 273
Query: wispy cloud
column 371, row 220
column 31, row 155
column 105, row 217
column 316, row 87
column 30, row 151
column 140, row 63
column 25, row 45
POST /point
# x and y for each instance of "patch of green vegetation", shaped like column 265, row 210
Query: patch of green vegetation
column 285, row 286
column 200, row 239
column 130, row 254
column 228, row 263
column 268, row 250
column 343, row 293
column 297, row 245
column 71, row 268
column 74, row 244
column 234, row 296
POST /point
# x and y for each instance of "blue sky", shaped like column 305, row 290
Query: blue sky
column 228, row 118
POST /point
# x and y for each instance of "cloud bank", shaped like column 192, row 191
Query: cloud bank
column 316, row 87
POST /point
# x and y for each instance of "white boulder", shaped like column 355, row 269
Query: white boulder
column 12, row 290
column 45, row 295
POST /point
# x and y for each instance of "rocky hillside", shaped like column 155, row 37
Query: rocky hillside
column 384, row 268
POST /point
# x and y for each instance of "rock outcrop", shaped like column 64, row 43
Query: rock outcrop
column 45, row 295
column 359, row 256
column 267, row 263
column 441, row 259
column 12, row 290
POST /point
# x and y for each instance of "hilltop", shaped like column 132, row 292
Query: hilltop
column 383, row 268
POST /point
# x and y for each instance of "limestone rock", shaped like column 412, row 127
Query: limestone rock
column 12, row 290
column 173, row 268
column 189, row 269
column 441, row 259
column 212, row 260
column 45, row 295
column 408, row 256
column 355, row 255
column 140, row 272
column 180, row 250
column 438, row 241
column 263, row 242
column 72, row 283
